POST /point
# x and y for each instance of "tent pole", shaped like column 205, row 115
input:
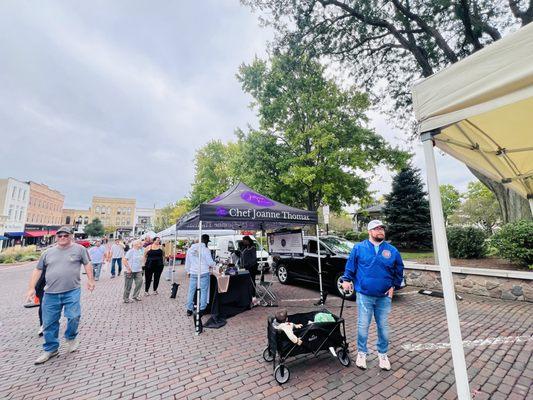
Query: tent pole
column 319, row 264
column 452, row 315
column 174, row 253
column 197, row 325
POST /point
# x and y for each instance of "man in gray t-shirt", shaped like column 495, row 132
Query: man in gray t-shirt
column 61, row 265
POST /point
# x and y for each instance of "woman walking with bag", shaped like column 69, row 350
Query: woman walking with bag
column 154, row 265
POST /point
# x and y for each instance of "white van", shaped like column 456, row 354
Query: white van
column 223, row 246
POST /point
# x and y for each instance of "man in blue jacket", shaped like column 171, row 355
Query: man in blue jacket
column 375, row 269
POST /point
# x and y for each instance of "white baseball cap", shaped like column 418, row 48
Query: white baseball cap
column 374, row 224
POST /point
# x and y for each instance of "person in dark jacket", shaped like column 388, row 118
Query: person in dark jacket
column 39, row 293
column 249, row 258
column 374, row 269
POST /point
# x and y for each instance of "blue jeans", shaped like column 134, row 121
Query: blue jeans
column 119, row 262
column 97, row 267
column 52, row 305
column 204, row 291
column 380, row 308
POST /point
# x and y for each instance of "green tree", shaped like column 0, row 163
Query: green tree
column 451, row 200
column 387, row 45
column 95, row 228
column 480, row 208
column 407, row 212
column 110, row 229
column 215, row 171
column 169, row 214
column 340, row 222
column 311, row 139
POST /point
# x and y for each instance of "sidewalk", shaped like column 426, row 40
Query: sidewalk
column 149, row 350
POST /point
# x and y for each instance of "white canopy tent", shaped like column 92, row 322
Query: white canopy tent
column 170, row 233
column 480, row 111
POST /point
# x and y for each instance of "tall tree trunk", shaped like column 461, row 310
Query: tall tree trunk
column 512, row 206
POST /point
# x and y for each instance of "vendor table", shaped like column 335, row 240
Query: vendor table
column 235, row 300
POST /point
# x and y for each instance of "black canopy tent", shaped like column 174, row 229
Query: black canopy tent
column 240, row 207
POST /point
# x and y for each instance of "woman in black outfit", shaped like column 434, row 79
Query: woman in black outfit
column 249, row 259
column 154, row 265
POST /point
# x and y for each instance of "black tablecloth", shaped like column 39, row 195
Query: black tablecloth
column 237, row 299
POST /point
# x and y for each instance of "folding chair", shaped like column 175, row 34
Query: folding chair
column 265, row 295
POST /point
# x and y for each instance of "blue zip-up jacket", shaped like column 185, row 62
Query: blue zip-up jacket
column 374, row 274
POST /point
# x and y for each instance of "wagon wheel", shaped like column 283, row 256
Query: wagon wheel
column 267, row 355
column 343, row 357
column 282, row 374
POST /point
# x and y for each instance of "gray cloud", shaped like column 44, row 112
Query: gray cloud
column 114, row 98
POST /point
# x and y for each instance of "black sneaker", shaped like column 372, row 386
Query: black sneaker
column 189, row 313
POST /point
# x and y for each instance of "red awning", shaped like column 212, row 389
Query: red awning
column 39, row 233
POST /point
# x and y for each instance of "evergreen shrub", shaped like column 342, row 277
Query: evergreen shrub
column 466, row 242
column 514, row 242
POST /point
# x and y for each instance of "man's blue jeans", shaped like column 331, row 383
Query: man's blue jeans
column 379, row 307
column 97, row 267
column 117, row 261
column 204, row 291
column 52, row 305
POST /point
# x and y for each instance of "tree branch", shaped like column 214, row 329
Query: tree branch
column 525, row 16
column 420, row 57
column 464, row 16
column 443, row 45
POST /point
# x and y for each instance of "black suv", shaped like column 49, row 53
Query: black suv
column 334, row 252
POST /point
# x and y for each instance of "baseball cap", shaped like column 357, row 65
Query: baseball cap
column 64, row 229
column 205, row 238
column 374, row 224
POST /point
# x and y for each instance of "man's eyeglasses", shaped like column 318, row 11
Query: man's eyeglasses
column 63, row 236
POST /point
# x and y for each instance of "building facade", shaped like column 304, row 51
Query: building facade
column 45, row 207
column 44, row 213
column 77, row 219
column 115, row 213
column 14, row 204
column 144, row 220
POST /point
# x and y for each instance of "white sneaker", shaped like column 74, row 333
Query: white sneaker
column 360, row 361
column 384, row 362
column 45, row 356
column 73, row 345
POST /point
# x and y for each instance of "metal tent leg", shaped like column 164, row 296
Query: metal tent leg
column 452, row 315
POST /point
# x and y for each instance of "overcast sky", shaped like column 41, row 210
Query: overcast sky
column 113, row 98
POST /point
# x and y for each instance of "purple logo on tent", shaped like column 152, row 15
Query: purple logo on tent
column 218, row 198
column 256, row 199
column 222, row 212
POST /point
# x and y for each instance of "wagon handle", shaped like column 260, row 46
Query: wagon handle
column 342, row 304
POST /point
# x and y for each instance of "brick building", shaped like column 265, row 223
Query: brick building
column 115, row 213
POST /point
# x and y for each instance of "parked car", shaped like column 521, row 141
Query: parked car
column 84, row 243
column 334, row 252
column 223, row 246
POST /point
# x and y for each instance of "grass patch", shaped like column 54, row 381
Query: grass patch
column 19, row 254
column 416, row 255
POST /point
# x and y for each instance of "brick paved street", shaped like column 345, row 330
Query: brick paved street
column 149, row 350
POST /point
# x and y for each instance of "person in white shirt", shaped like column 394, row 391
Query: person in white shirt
column 97, row 254
column 197, row 252
column 133, row 264
column 117, row 253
